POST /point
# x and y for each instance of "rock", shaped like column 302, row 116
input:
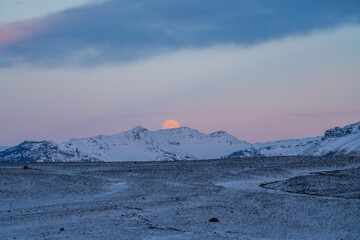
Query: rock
column 214, row 220
column 62, row 229
column 26, row 167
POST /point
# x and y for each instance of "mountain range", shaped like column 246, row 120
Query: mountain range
column 140, row 144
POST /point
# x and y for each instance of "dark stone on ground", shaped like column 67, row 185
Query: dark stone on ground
column 213, row 220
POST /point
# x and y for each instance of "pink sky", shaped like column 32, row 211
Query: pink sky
column 289, row 88
column 15, row 31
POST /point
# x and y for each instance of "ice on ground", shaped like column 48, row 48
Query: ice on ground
column 117, row 187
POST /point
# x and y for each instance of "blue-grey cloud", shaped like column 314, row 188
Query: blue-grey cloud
column 128, row 30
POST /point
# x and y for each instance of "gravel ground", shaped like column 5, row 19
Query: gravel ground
column 254, row 198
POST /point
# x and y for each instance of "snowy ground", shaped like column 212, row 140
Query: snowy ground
column 263, row 198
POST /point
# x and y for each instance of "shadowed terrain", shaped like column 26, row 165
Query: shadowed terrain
column 339, row 183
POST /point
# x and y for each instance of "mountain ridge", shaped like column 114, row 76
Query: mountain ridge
column 165, row 144
column 183, row 143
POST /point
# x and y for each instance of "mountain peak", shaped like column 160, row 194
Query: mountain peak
column 37, row 144
column 342, row 132
column 139, row 129
column 219, row 133
column 185, row 131
column 177, row 128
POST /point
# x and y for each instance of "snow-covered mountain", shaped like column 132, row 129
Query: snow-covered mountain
column 140, row 144
column 41, row 151
column 2, row 148
column 289, row 147
column 248, row 152
column 336, row 141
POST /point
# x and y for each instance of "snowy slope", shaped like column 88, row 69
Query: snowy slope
column 338, row 141
column 289, row 147
column 201, row 146
column 2, row 148
column 139, row 144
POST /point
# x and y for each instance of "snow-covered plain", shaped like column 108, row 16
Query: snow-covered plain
column 253, row 198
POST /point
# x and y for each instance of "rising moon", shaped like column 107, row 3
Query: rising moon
column 170, row 124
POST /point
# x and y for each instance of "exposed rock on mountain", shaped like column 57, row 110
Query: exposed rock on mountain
column 249, row 152
column 338, row 141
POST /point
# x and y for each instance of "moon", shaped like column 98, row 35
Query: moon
column 170, row 124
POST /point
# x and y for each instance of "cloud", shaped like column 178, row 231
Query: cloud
column 14, row 11
column 16, row 31
column 258, row 92
column 123, row 31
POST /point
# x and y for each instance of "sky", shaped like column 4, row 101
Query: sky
column 260, row 70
